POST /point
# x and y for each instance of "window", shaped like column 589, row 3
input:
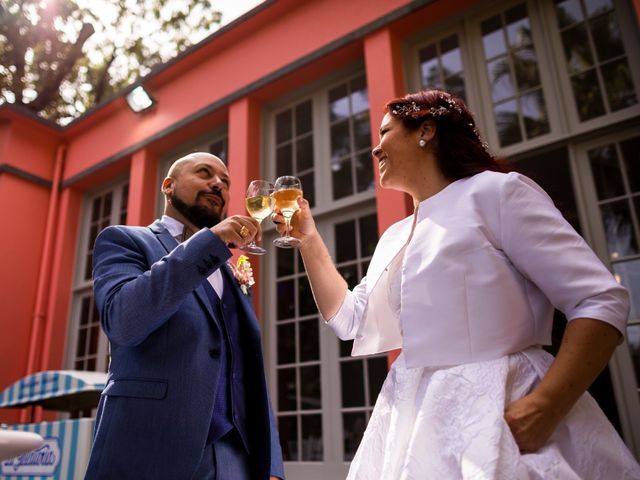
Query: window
column 299, row 406
column 294, row 146
column 512, row 68
column 441, row 66
column 616, row 174
column 360, row 379
column 218, row 148
column 596, row 60
column 91, row 345
column 350, row 135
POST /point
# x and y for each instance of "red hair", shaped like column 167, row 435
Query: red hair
column 460, row 152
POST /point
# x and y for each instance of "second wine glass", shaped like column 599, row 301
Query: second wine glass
column 259, row 202
column 287, row 189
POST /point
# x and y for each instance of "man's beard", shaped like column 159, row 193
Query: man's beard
column 199, row 215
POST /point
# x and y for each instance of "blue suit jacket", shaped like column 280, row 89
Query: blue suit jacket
column 156, row 410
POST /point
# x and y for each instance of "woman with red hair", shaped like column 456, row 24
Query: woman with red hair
column 466, row 287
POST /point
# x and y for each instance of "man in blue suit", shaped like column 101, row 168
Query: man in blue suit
column 186, row 396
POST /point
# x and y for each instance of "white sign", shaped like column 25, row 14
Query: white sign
column 42, row 462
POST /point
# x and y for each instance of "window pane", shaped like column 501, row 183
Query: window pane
column 338, row 103
column 284, row 260
column 310, row 388
column 525, row 65
column 606, row 172
column 628, row 274
column 342, row 178
column 630, row 153
column 607, row 37
column 304, row 153
column 106, row 205
column 535, row 116
column 95, row 209
column 364, row 172
column 451, row 58
column 353, row 425
column 287, row 389
column 359, row 99
column 455, row 85
column 596, row 7
column 352, row 380
column 309, row 340
column 305, row 297
column 576, row 49
column 285, row 299
column 362, row 131
column 587, row 95
column 633, row 339
column 82, row 343
column 502, row 85
column 303, row 118
column 518, row 28
column 340, row 140
column 568, row 12
column 368, row 234
column 618, row 228
column 283, row 126
column 378, row 369
column 288, row 430
column 493, row 38
column 284, row 162
column 286, row 343
column 345, row 347
column 345, row 234
column 430, row 67
column 311, row 438
column 507, row 123
column 619, row 85
column 309, row 187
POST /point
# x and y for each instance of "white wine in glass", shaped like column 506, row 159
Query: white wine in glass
column 259, row 203
column 287, row 189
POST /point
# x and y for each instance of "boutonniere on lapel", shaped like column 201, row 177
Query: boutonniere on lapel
column 243, row 273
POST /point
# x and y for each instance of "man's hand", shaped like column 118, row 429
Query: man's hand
column 237, row 230
column 532, row 421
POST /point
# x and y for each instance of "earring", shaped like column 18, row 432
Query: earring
column 422, row 143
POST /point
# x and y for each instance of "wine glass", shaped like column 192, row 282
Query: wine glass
column 259, row 203
column 287, row 189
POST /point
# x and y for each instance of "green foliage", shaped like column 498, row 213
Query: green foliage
column 60, row 57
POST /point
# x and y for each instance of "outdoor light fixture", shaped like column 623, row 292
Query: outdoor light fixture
column 139, row 100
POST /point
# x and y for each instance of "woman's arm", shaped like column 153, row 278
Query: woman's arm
column 586, row 348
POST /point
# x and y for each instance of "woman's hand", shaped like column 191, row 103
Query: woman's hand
column 303, row 227
column 532, row 420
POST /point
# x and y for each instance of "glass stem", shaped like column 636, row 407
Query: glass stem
column 287, row 223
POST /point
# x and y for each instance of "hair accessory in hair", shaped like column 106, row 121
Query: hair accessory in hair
column 413, row 110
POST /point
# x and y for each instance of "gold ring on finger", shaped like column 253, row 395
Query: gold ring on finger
column 244, row 232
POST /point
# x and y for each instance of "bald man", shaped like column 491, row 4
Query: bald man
column 186, row 396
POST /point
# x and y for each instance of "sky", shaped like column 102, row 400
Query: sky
column 232, row 9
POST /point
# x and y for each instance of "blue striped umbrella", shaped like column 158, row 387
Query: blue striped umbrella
column 62, row 390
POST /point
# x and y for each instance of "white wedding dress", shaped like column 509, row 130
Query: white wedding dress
column 446, row 423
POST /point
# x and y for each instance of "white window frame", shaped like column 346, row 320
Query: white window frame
column 81, row 286
column 326, row 212
column 556, row 87
column 626, row 390
column 630, row 39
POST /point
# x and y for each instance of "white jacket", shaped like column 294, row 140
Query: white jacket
column 489, row 259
